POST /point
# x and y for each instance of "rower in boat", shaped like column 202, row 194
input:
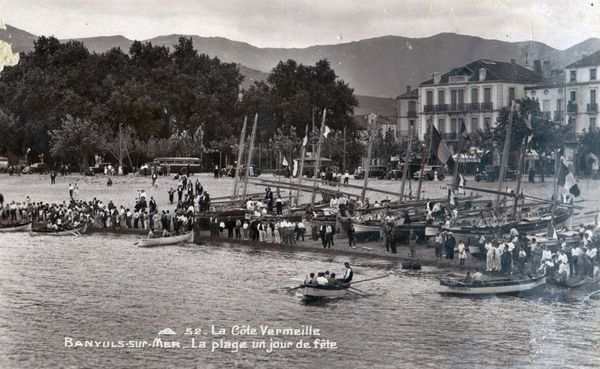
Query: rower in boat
column 348, row 274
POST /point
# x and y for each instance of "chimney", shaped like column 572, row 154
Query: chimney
column 408, row 89
column 437, row 76
column 537, row 66
column 482, row 74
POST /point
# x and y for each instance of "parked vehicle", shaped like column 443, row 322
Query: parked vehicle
column 34, row 168
column 429, row 172
column 90, row 171
column 375, row 171
column 492, row 173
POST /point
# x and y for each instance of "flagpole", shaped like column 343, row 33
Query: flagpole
column 459, row 151
column 371, row 120
column 520, row 172
column 239, row 160
column 250, row 151
column 406, row 161
column 425, row 159
column 505, row 154
column 318, row 161
column 302, row 155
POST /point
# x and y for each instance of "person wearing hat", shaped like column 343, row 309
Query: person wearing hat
column 450, row 244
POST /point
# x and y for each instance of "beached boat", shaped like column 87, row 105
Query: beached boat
column 470, row 234
column 313, row 291
column 507, row 286
column 20, row 227
column 166, row 241
column 60, row 232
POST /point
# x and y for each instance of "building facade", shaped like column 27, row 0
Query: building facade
column 581, row 87
column 473, row 94
column 407, row 113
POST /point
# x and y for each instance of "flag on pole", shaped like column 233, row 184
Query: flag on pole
column 285, row 162
column 463, row 130
column 295, row 170
column 305, row 141
column 451, row 197
column 327, row 131
column 440, row 149
column 551, row 231
column 461, row 184
column 567, row 180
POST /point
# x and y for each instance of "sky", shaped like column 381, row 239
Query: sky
column 301, row 23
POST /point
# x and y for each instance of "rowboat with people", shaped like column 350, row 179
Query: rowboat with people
column 166, row 241
column 60, row 230
column 496, row 286
column 18, row 227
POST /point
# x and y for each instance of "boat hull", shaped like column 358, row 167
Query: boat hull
column 18, row 228
column 498, row 287
column 65, row 232
column 319, row 292
column 366, row 228
column 166, row 241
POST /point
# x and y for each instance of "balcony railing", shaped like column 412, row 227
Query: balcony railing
column 474, row 107
column 429, row 109
column 441, row 108
column 592, row 108
column 571, row 107
column 456, row 108
column 412, row 113
column 487, row 106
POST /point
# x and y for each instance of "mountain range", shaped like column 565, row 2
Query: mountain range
column 380, row 66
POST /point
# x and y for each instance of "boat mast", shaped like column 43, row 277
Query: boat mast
column 505, row 154
column 318, row 161
column 461, row 142
column 520, row 172
column 249, row 159
column 371, row 123
column 425, row 159
column 239, row 159
column 406, row 160
column 302, row 155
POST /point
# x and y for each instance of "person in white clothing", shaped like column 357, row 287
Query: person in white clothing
column 462, row 253
column 489, row 260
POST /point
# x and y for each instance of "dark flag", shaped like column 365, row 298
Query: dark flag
column 440, row 149
column 463, row 130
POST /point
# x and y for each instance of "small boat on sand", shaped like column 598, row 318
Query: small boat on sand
column 314, row 291
column 502, row 286
column 62, row 231
column 19, row 227
column 166, row 241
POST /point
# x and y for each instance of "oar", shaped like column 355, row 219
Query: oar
column 71, row 232
column 358, row 292
column 590, row 295
column 371, row 279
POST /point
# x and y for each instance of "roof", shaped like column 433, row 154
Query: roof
column 495, row 71
column 588, row 61
column 412, row 94
column 380, row 106
column 554, row 81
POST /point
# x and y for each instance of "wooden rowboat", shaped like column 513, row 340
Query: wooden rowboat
column 166, row 241
column 314, row 291
column 22, row 227
column 60, row 232
column 492, row 287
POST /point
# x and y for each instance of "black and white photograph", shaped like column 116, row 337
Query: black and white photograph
column 299, row 184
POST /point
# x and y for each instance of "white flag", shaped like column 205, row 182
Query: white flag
column 295, row 171
column 327, row 131
column 305, row 141
column 284, row 162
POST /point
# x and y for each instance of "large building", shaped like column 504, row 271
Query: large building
column 407, row 112
column 473, row 93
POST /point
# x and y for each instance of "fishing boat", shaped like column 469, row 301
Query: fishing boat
column 507, row 286
column 166, row 241
column 62, row 231
column 19, row 227
column 314, row 291
column 471, row 233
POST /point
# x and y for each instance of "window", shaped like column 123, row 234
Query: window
column 474, row 124
column 487, row 122
column 453, row 126
column 559, row 105
column 593, row 74
column 441, row 97
column 429, row 97
column 412, row 105
column 592, row 96
column 573, row 76
column 487, row 95
column 453, row 97
column 573, row 96
column 441, row 126
column 461, row 96
column 511, row 94
column 475, row 95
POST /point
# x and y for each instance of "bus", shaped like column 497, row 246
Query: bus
column 177, row 165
